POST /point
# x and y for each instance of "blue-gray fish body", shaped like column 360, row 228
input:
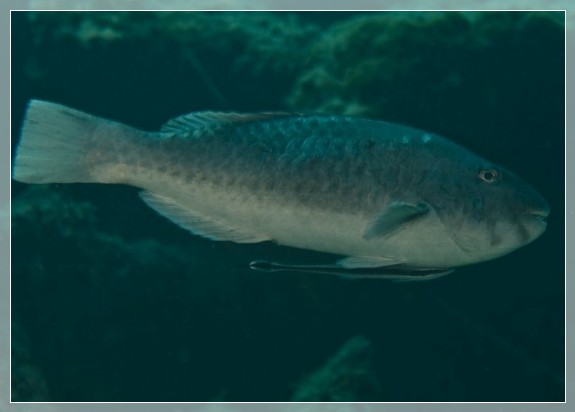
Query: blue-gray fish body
column 380, row 194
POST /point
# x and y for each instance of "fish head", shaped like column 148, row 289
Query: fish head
column 487, row 210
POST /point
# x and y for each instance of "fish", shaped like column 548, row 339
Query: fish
column 390, row 200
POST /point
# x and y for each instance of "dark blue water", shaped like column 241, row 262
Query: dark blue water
column 111, row 302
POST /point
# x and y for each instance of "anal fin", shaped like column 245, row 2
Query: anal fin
column 196, row 223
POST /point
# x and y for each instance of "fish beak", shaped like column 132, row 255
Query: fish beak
column 540, row 215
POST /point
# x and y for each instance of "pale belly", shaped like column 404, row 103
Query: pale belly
column 422, row 244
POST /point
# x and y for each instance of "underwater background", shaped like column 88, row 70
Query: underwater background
column 112, row 302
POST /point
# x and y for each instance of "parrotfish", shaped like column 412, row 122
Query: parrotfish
column 393, row 201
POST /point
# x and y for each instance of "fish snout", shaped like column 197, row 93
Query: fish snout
column 536, row 207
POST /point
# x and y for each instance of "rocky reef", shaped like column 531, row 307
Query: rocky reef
column 346, row 377
column 113, row 303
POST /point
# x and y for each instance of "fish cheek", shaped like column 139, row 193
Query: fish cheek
column 480, row 217
column 478, row 207
column 465, row 227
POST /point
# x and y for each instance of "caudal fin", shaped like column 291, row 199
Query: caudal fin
column 56, row 143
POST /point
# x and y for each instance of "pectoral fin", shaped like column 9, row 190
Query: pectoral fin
column 393, row 217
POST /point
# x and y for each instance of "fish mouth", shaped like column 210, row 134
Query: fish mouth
column 540, row 215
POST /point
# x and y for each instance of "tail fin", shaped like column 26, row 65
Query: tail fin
column 54, row 144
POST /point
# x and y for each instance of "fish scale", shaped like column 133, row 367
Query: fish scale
column 381, row 195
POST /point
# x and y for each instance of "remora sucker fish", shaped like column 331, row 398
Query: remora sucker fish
column 385, row 196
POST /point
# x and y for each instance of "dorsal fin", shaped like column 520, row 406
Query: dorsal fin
column 197, row 120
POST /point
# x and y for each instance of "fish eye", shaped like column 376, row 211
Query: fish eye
column 488, row 175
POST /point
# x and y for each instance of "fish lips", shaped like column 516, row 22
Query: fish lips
column 540, row 211
column 536, row 223
column 540, row 215
column 536, row 209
